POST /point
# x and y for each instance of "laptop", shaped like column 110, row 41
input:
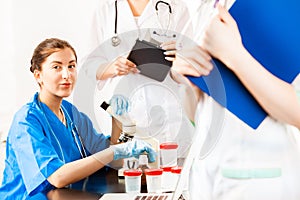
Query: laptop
column 139, row 196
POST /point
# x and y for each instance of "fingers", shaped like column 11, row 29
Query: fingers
column 120, row 104
column 151, row 155
column 170, row 55
column 123, row 66
column 169, row 45
column 224, row 14
column 222, row 38
column 203, row 67
column 199, row 61
column 185, row 69
column 140, row 147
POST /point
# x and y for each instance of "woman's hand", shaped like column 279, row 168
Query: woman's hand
column 222, row 38
column 121, row 66
column 170, row 48
column 133, row 148
column 120, row 104
column 193, row 60
column 223, row 41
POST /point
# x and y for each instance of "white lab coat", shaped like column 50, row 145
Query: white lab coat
column 269, row 156
column 129, row 29
column 156, row 106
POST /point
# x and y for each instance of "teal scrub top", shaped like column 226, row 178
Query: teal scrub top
column 38, row 144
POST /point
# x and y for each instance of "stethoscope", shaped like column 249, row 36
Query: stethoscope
column 169, row 20
column 74, row 132
column 115, row 40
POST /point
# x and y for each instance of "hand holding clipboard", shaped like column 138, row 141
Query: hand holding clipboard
column 274, row 45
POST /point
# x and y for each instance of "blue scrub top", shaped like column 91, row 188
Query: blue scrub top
column 38, row 144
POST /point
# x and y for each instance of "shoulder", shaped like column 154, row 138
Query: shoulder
column 26, row 113
column 29, row 110
column 28, row 118
column 105, row 4
column 104, row 11
column 179, row 10
column 178, row 4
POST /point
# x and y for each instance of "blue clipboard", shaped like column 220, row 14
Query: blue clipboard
column 271, row 32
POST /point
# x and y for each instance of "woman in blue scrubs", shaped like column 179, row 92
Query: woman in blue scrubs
column 50, row 143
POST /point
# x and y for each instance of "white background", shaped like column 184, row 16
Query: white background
column 23, row 25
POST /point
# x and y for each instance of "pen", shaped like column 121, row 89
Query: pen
column 217, row 1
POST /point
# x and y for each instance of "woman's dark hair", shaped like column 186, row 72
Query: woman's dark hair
column 45, row 49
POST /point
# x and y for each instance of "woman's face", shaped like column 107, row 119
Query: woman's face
column 58, row 73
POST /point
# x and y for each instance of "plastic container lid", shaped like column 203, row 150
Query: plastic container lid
column 153, row 172
column 132, row 172
column 176, row 170
column 168, row 145
column 167, row 169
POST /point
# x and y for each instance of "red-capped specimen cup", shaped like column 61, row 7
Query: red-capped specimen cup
column 153, row 178
column 132, row 180
column 168, row 153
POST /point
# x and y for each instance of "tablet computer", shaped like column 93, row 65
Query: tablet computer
column 150, row 60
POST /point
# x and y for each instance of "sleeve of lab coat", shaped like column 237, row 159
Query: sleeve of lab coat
column 98, row 54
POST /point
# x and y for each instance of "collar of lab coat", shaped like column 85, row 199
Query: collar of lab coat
column 127, row 12
column 149, row 9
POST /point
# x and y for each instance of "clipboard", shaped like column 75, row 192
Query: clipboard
column 270, row 31
column 150, row 60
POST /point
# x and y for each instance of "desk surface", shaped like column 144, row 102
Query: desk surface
column 103, row 181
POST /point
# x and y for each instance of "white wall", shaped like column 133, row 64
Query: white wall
column 23, row 25
column 7, row 76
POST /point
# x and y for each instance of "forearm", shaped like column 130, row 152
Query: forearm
column 79, row 169
column 278, row 98
column 116, row 131
column 104, row 72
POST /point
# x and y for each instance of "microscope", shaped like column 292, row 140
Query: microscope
column 129, row 131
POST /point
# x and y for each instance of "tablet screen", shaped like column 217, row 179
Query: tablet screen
column 150, row 60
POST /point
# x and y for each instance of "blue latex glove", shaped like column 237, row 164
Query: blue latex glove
column 119, row 104
column 133, row 149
